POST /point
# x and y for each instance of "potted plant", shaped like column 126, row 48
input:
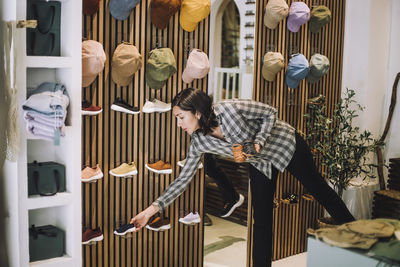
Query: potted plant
column 340, row 147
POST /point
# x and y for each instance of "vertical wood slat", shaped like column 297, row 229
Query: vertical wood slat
column 290, row 222
column 112, row 138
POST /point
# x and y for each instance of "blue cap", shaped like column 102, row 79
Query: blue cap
column 297, row 70
column 121, row 9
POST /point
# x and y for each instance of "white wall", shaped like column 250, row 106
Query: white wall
column 370, row 63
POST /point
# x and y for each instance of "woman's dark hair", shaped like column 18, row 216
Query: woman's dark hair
column 195, row 100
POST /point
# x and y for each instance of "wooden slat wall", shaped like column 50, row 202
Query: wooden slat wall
column 290, row 222
column 112, row 138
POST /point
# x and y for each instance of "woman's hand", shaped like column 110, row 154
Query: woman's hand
column 142, row 218
column 257, row 147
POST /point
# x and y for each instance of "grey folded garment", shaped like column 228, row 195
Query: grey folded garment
column 52, row 121
column 43, row 131
column 47, row 103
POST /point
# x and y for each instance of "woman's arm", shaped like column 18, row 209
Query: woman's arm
column 173, row 191
column 251, row 110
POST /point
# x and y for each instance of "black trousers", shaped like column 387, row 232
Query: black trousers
column 224, row 184
column 303, row 168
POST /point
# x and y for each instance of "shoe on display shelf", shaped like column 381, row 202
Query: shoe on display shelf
column 125, row 169
column 190, row 219
column 229, row 208
column 90, row 110
column 124, row 229
column 159, row 224
column 89, row 174
column 160, row 167
column 92, row 235
column 122, row 106
column 183, row 162
column 155, row 106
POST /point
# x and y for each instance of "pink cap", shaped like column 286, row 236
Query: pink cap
column 93, row 59
column 197, row 66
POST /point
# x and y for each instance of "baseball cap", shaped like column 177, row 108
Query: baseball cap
column 93, row 59
column 121, row 9
column 297, row 70
column 319, row 66
column 320, row 16
column 125, row 62
column 275, row 11
column 299, row 13
column 192, row 12
column 89, row 7
column 160, row 66
column 197, row 66
column 161, row 11
column 273, row 63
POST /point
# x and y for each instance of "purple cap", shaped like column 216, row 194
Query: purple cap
column 299, row 13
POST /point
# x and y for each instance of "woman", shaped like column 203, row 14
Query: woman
column 215, row 128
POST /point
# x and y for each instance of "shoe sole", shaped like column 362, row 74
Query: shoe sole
column 127, row 231
column 91, row 113
column 189, row 223
column 155, row 110
column 96, row 177
column 96, row 239
column 121, row 109
column 124, row 174
column 162, row 228
column 169, row 171
column 238, row 204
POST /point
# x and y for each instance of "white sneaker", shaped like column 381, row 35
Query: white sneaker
column 190, row 219
column 182, row 163
column 156, row 106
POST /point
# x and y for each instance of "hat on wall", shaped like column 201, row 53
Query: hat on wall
column 275, row 11
column 319, row 66
column 192, row 12
column 125, row 62
column 93, row 59
column 299, row 14
column 297, row 70
column 89, row 7
column 160, row 66
column 121, row 9
column 320, row 16
column 161, row 11
column 273, row 63
column 197, row 66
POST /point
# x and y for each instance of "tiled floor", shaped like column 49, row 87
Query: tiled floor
column 225, row 246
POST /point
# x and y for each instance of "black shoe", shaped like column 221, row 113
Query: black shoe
column 207, row 220
column 125, row 228
column 230, row 207
column 290, row 199
column 122, row 106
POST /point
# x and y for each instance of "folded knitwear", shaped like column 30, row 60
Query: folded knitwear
column 53, row 121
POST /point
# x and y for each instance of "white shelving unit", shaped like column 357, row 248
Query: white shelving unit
column 63, row 209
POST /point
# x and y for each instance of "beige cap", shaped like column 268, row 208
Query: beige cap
column 273, row 63
column 197, row 66
column 125, row 62
column 93, row 59
column 275, row 11
column 192, row 12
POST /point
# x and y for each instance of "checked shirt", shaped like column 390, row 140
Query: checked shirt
column 240, row 120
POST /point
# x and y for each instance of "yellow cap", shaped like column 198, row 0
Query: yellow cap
column 192, row 12
column 273, row 63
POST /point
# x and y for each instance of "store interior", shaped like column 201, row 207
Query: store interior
column 88, row 87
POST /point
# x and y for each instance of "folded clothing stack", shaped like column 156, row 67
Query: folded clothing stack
column 45, row 110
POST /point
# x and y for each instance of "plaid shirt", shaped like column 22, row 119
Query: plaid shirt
column 240, row 120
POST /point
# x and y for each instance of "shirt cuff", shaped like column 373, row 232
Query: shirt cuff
column 159, row 204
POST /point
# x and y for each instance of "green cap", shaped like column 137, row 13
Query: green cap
column 319, row 66
column 320, row 16
column 160, row 66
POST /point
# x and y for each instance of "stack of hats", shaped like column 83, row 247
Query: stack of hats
column 45, row 110
column 394, row 174
column 386, row 204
